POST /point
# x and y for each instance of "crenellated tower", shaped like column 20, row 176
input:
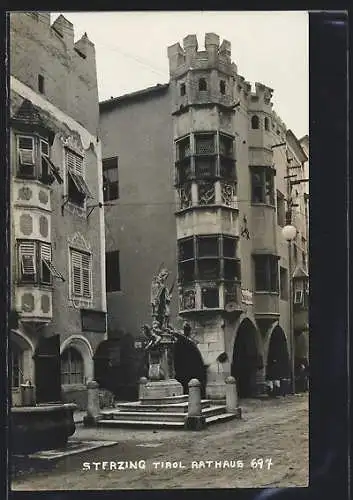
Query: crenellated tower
column 203, row 108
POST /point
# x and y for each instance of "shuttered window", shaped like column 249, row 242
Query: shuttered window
column 26, row 150
column 78, row 189
column 27, row 261
column 81, row 274
column 45, row 261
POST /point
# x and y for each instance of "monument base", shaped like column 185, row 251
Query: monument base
column 161, row 389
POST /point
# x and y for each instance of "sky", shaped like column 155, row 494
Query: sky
column 267, row 47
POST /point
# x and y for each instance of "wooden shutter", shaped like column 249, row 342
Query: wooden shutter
column 44, row 148
column 27, row 257
column 76, row 273
column 26, row 150
column 86, row 275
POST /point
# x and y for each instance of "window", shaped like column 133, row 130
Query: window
column 210, row 298
column 183, row 148
column 26, row 156
column 205, row 144
column 215, row 258
column 262, row 185
column 110, row 179
column 72, row 368
column 283, row 279
column 78, row 190
column 225, row 146
column 182, row 89
column 304, row 259
column 16, row 366
column 27, row 262
column 222, row 87
column 295, row 253
column 35, row 263
column 255, row 123
column 267, row 123
column 202, row 85
column 281, row 209
column 81, row 274
column 112, row 269
column 266, row 273
column 41, row 84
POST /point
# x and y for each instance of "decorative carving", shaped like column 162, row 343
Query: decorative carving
column 45, row 303
column 26, row 224
column 27, row 302
column 188, row 299
column 78, row 241
column 73, row 142
column 228, row 194
column 43, row 197
column 207, row 195
column 25, row 193
column 185, row 199
column 43, row 226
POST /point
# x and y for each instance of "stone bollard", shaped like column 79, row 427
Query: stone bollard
column 142, row 387
column 232, row 396
column 195, row 420
column 93, row 409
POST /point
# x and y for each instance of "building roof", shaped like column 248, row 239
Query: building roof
column 299, row 272
column 139, row 94
column 298, row 145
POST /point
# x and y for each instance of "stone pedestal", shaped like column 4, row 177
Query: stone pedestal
column 231, row 395
column 93, row 409
column 195, row 420
column 161, row 382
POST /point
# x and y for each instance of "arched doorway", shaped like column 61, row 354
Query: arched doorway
column 278, row 362
column 247, row 359
column 188, row 364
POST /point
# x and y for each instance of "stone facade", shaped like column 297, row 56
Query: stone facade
column 203, row 171
column 54, row 106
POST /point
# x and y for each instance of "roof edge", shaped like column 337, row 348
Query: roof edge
column 108, row 103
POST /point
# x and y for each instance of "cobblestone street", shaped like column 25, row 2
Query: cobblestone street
column 273, row 430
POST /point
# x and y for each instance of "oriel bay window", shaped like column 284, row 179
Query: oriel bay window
column 208, row 258
column 34, row 160
column 266, row 273
column 262, row 185
column 35, row 263
column 77, row 190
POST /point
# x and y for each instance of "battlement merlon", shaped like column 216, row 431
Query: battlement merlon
column 189, row 57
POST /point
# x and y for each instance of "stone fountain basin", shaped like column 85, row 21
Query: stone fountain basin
column 41, row 427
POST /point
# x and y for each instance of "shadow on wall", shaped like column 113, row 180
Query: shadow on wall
column 188, row 364
column 118, row 365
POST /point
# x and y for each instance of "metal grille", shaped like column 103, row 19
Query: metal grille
column 205, row 144
column 227, row 168
column 186, row 249
column 183, row 148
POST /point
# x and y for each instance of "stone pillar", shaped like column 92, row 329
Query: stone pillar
column 195, row 420
column 142, row 387
column 93, row 409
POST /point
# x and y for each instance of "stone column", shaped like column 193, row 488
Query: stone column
column 93, row 409
column 232, row 396
column 195, row 420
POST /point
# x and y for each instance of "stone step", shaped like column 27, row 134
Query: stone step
column 172, row 407
column 167, row 400
column 163, row 424
column 140, row 423
column 156, row 415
